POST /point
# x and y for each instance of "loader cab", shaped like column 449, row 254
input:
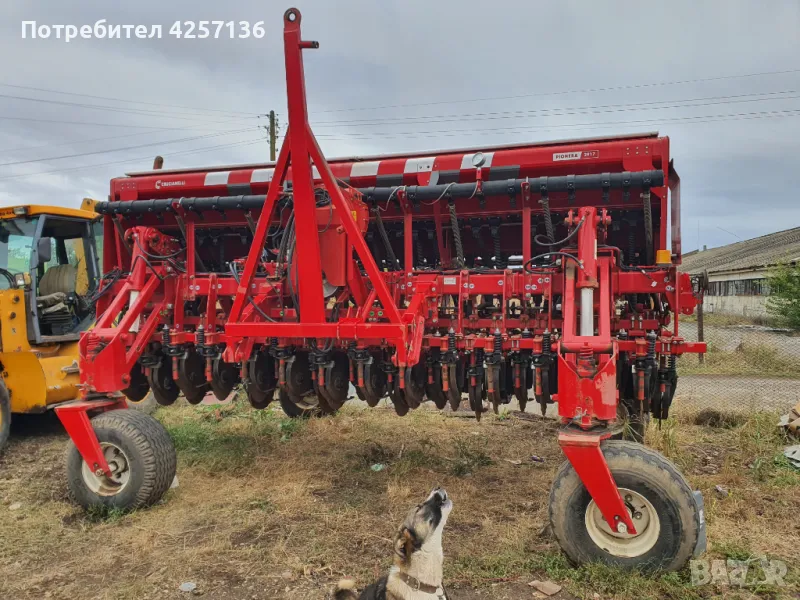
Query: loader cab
column 51, row 254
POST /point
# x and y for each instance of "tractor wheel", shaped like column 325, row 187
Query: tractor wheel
column 657, row 496
column 297, row 408
column 5, row 415
column 141, row 456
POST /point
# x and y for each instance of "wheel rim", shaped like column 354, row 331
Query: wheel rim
column 102, row 484
column 625, row 545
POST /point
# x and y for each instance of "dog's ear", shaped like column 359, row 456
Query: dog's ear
column 405, row 543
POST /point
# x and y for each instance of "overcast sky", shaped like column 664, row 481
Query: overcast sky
column 411, row 75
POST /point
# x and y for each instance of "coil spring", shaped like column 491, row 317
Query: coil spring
column 165, row 335
column 498, row 342
column 673, row 362
column 651, row 345
column 456, row 236
column 420, row 250
column 631, row 248
column 201, row 336
column 526, row 334
column 548, row 219
column 498, row 258
column 648, row 226
column 451, row 340
column 547, row 342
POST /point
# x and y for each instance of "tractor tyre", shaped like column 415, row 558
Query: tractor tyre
column 141, row 455
column 5, row 415
column 657, row 496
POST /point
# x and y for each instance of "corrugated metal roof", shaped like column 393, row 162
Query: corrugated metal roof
column 770, row 249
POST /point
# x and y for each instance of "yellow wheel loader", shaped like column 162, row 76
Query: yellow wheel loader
column 49, row 282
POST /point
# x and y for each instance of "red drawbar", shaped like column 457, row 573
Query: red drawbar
column 584, row 453
column 74, row 417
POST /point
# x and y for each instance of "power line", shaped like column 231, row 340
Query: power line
column 85, row 141
column 565, row 92
column 140, row 112
column 127, row 160
column 556, row 112
column 678, row 120
column 89, row 124
column 148, row 145
column 112, row 99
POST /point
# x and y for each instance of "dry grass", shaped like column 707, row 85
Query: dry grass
column 272, row 508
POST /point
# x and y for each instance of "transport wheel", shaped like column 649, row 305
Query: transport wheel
column 139, row 386
column 161, row 383
column 296, row 407
column 140, row 454
column 5, row 415
column 658, row 498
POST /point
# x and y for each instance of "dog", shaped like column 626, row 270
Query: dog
column 418, row 557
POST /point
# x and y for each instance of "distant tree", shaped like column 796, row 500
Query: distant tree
column 783, row 302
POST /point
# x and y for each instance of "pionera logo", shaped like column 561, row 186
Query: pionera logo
column 566, row 156
column 162, row 184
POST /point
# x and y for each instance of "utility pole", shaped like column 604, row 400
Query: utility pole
column 273, row 135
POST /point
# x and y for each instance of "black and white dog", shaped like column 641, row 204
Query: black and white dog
column 417, row 572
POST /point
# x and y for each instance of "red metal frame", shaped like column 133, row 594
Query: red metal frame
column 403, row 313
column 74, row 416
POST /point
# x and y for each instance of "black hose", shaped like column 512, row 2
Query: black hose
column 529, row 266
column 385, row 237
column 249, row 297
column 564, row 241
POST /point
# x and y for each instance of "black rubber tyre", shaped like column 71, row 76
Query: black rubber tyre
column 151, row 461
column 5, row 415
column 646, row 473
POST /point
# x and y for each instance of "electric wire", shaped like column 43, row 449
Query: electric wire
column 572, row 91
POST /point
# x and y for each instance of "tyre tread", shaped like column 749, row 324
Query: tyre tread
column 159, row 460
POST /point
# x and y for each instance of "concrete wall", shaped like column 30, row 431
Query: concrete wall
column 748, row 306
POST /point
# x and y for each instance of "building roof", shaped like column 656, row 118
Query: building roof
column 763, row 251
